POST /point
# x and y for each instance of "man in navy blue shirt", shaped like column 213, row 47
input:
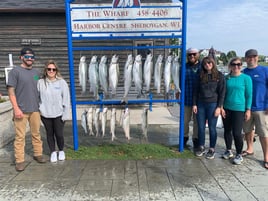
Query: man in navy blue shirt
column 191, row 76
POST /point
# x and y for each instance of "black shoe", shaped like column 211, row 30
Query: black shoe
column 210, row 154
column 200, row 152
column 185, row 140
column 195, row 143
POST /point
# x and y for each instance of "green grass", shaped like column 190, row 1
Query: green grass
column 127, row 152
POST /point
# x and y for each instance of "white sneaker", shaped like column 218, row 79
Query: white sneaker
column 61, row 156
column 238, row 159
column 53, row 157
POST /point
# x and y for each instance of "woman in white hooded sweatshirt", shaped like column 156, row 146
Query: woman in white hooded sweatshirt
column 54, row 107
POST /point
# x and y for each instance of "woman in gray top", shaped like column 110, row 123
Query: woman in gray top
column 54, row 107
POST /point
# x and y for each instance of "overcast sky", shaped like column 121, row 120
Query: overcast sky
column 228, row 25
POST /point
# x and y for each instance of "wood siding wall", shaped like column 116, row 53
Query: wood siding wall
column 50, row 29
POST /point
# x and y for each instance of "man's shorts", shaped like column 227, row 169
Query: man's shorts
column 259, row 121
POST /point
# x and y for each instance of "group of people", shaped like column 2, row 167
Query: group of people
column 240, row 97
column 34, row 99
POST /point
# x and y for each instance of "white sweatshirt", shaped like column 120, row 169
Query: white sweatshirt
column 54, row 98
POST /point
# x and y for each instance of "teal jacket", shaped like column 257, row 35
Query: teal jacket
column 238, row 95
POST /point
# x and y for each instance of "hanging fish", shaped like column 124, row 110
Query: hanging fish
column 103, row 120
column 103, row 74
column 176, row 73
column 158, row 73
column 113, row 74
column 82, row 71
column 126, row 123
column 167, row 73
column 144, row 122
column 94, row 76
column 147, row 71
column 84, row 121
column 137, row 75
column 97, row 121
column 90, row 121
column 127, row 77
column 112, row 123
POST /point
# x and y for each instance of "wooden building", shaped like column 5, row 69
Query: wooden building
column 41, row 25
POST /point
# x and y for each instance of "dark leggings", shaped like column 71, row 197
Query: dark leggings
column 54, row 129
column 233, row 124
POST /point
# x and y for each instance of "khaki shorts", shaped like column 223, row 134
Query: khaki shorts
column 259, row 122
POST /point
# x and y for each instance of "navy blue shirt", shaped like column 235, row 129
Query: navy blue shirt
column 191, row 77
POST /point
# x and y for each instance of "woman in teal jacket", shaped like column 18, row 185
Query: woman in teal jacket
column 236, row 108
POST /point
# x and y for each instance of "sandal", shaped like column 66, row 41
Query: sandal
column 245, row 153
column 265, row 165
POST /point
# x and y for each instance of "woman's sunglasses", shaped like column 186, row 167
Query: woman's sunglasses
column 51, row 69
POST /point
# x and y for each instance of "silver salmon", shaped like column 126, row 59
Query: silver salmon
column 103, row 120
column 82, row 72
column 137, row 75
column 176, row 73
column 103, row 74
column 126, row 123
column 90, row 121
column 84, row 121
column 112, row 123
column 113, row 74
column 158, row 73
column 94, row 76
column 147, row 72
column 167, row 73
column 127, row 76
column 97, row 121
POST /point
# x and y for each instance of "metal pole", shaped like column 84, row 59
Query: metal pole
column 183, row 60
column 71, row 72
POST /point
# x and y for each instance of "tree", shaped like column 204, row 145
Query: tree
column 261, row 58
column 223, row 58
column 231, row 54
column 175, row 41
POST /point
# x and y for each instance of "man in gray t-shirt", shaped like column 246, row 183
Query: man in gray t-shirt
column 23, row 95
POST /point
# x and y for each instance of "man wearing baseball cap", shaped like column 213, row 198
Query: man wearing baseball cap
column 24, row 97
column 191, row 77
column 259, row 108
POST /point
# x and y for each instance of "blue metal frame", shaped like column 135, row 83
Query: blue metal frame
column 183, row 61
column 102, row 102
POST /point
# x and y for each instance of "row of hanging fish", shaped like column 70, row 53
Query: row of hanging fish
column 94, row 122
column 100, row 75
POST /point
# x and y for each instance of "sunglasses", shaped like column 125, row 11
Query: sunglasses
column 191, row 54
column 51, row 69
column 207, row 62
column 236, row 64
column 28, row 56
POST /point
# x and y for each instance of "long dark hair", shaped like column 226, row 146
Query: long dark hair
column 204, row 73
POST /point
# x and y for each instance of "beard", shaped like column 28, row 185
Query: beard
column 27, row 64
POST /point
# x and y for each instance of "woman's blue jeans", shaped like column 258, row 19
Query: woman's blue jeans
column 205, row 111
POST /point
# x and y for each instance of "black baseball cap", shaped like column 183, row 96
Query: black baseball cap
column 26, row 50
column 251, row 52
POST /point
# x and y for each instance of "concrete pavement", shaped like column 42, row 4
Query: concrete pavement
column 172, row 179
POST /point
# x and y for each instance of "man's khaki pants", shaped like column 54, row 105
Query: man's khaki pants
column 20, row 128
